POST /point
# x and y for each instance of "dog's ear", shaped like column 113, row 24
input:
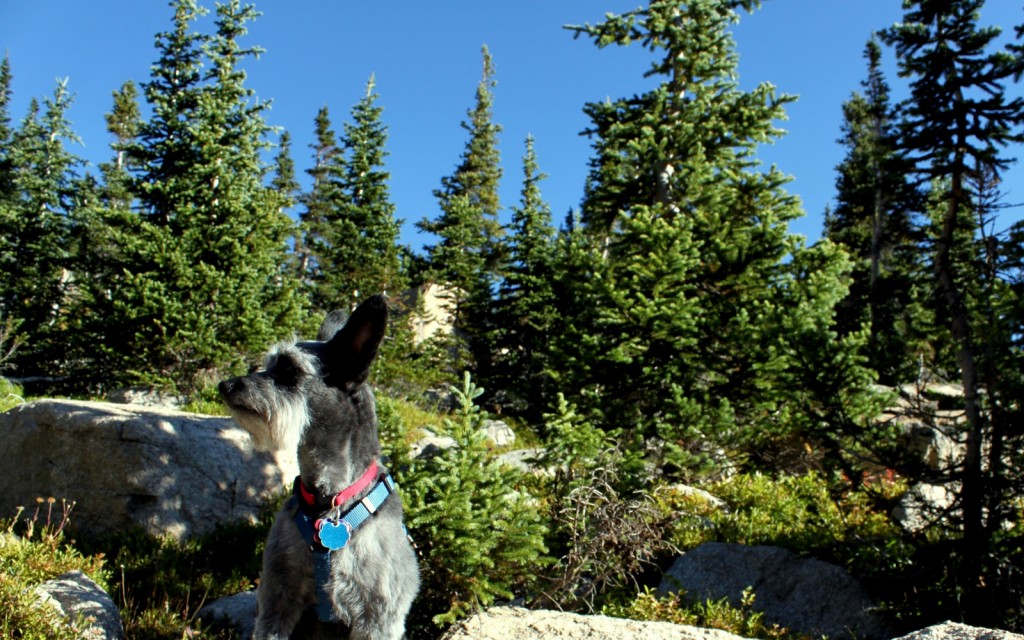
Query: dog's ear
column 334, row 321
column 352, row 348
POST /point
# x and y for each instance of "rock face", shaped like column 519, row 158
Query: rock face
column 807, row 596
column 514, row 623
column 237, row 612
column 87, row 607
column 957, row 631
column 171, row 473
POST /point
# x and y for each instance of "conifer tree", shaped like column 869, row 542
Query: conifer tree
column 526, row 308
column 98, row 257
column 479, row 171
column 956, row 120
column 480, row 537
column 375, row 263
column 283, row 180
column 874, row 220
column 466, row 258
column 359, row 255
column 318, row 202
column 123, row 124
column 6, row 132
column 203, row 281
column 696, row 275
column 284, row 183
column 350, row 230
column 35, row 218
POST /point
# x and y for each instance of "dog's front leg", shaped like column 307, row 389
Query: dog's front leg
column 286, row 583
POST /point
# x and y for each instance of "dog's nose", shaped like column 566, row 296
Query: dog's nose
column 226, row 386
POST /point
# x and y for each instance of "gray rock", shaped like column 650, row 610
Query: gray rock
column 956, row 631
column 145, row 397
column 237, row 611
column 514, row 623
column 925, row 504
column 171, row 473
column 498, row 432
column 805, row 595
column 88, row 609
column 524, row 460
column 430, row 445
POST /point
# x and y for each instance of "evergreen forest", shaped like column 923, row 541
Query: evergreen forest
column 670, row 330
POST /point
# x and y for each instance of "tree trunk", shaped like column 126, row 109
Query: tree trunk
column 972, row 478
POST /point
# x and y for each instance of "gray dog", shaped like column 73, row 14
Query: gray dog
column 338, row 547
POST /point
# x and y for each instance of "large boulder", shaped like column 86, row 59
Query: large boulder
column 237, row 612
column 171, row 473
column 956, row 631
column 515, row 623
column 808, row 596
column 86, row 607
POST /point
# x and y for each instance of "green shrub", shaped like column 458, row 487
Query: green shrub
column 711, row 614
column 605, row 532
column 807, row 514
column 480, row 535
column 32, row 551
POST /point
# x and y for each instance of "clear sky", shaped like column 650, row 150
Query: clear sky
column 425, row 57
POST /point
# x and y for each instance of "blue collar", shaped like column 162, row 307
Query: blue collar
column 327, row 534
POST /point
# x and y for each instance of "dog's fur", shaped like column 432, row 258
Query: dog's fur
column 312, row 397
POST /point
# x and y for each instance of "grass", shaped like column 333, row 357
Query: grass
column 158, row 585
column 33, row 550
column 11, row 395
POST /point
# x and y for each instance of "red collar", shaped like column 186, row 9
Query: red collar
column 344, row 495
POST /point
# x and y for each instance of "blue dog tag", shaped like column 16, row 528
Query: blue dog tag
column 335, row 535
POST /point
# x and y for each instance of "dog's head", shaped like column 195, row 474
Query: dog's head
column 306, row 381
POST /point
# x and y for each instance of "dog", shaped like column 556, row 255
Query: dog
column 338, row 546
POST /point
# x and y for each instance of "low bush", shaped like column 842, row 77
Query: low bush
column 742, row 621
column 33, row 549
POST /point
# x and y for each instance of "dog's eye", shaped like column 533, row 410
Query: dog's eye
column 285, row 374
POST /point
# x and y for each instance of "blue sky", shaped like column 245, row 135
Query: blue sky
column 425, row 57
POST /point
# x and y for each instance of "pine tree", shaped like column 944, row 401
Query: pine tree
column 526, row 308
column 466, row 258
column 319, row 201
column 696, row 274
column 35, row 214
column 6, row 132
column 8, row 324
column 123, row 124
column 479, row 172
column 956, row 119
column 98, row 256
column 283, row 180
column 166, row 148
column 479, row 537
column 359, row 252
column 204, row 283
column 375, row 267
column 874, row 221
column 351, row 233
column 284, row 183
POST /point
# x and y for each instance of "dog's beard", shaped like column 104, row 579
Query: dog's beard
column 278, row 427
